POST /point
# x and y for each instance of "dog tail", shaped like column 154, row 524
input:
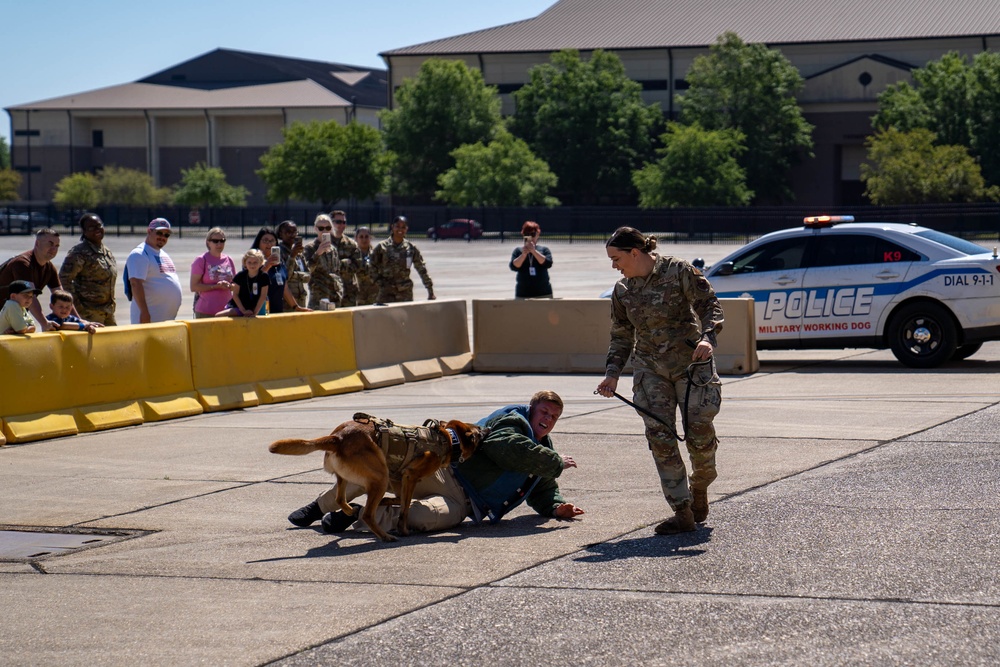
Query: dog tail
column 296, row 447
column 293, row 447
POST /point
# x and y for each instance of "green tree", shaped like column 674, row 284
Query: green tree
column 587, row 120
column 204, row 186
column 697, row 167
column 502, row 173
column 325, row 162
column 4, row 153
column 10, row 181
column 751, row 88
column 77, row 191
column 445, row 106
column 129, row 187
column 908, row 168
column 957, row 100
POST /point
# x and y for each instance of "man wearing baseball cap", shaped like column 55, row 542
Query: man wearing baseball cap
column 14, row 317
column 34, row 266
column 151, row 281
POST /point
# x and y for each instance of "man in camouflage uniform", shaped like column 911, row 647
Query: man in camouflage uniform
column 367, row 287
column 661, row 309
column 90, row 272
column 350, row 259
column 392, row 260
column 324, row 265
column 290, row 244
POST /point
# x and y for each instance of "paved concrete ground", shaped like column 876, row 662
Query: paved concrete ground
column 855, row 521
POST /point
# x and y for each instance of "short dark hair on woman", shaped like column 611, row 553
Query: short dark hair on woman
column 261, row 234
column 627, row 238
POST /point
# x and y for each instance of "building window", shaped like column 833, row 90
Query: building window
column 654, row 84
column 98, row 138
column 26, row 133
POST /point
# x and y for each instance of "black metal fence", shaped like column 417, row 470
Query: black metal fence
column 572, row 223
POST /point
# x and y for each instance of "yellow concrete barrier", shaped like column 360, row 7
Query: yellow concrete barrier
column 68, row 382
column 35, row 396
column 240, row 362
column 122, row 370
column 405, row 342
column 572, row 336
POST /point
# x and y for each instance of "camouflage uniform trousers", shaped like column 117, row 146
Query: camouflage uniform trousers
column 396, row 293
column 367, row 287
column 661, row 396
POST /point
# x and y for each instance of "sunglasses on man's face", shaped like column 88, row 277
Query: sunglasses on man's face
column 164, row 235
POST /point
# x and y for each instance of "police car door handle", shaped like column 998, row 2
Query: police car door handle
column 784, row 280
column 887, row 275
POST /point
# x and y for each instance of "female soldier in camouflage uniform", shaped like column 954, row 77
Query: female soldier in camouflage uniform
column 324, row 265
column 90, row 272
column 661, row 309
column 392, row 259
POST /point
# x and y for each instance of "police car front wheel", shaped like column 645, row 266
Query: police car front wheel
column 923, row 335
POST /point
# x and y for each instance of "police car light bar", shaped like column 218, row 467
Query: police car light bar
column 826, row 220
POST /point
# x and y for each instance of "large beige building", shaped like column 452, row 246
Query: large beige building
column 225, row 108
column 848, row 51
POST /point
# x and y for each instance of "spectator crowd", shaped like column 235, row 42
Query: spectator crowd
column 280, row 272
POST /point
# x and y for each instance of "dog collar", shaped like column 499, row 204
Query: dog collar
column 456, row 446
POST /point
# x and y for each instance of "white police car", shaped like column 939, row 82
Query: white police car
column 929, row 297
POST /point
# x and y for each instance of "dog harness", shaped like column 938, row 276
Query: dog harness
column 402, row 444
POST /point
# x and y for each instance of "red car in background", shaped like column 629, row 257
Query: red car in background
column 459, row 228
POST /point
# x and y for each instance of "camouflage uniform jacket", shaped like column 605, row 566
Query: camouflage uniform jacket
column 392, row 267
column 653, row 316
column 350, row 264
column 367, row 287
column 324, row 274
column 298, row 274
column 90, row 273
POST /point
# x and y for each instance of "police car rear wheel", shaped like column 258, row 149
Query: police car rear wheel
column 922, row 335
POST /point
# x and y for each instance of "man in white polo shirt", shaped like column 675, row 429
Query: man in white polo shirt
column 151, row 277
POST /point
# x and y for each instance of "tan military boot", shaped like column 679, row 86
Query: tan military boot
column 681, row 522
column 699, row 504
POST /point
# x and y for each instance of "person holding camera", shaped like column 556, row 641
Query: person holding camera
column 323, row 261
column 279, row 297
column 532, row 262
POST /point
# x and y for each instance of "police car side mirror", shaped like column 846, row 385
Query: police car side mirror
column 724, row 269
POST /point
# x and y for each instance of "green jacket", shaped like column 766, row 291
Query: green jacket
column 510, row 466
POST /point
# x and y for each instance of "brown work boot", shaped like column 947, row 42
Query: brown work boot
column 699, row 504
column 681, row 522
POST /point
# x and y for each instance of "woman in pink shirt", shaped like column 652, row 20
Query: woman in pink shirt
column 212, row 276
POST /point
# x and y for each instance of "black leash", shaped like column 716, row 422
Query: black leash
column 689, row 372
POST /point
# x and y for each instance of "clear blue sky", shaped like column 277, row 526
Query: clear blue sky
column 57, row 47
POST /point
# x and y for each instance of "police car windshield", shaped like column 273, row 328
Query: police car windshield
column 953, row 242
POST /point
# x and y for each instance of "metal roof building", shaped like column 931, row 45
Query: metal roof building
column 224, row 107
column 848, row 51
